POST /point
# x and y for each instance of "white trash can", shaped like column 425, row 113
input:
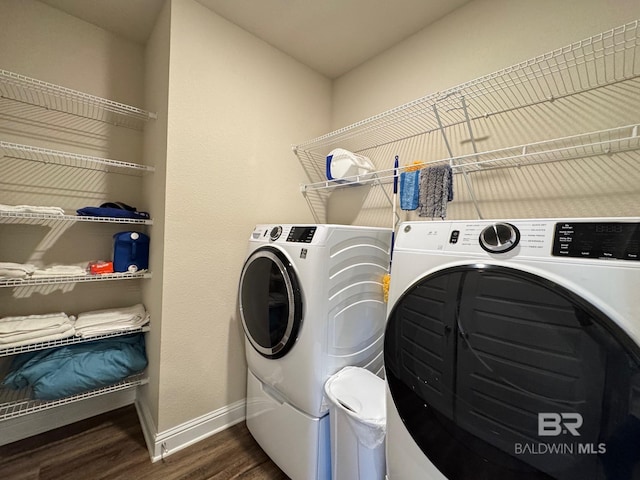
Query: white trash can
column 357, row 420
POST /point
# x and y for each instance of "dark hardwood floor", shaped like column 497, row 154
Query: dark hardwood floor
column 111, row 446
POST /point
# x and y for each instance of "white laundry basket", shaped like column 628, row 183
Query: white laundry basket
column 357, row 421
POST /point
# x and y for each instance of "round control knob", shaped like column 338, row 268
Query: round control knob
column 499, row 238
column 275, row 233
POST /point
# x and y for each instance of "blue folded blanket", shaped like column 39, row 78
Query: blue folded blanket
column 60, row 372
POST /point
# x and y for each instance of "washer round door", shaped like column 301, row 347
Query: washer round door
column 270, row 302
column 497, row 373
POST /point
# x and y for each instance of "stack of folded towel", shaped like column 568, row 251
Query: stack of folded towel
column 60, row 271
column 10, row 270
column 16, row 270
column 100, row 322
column 24, row 330
column 31, row 209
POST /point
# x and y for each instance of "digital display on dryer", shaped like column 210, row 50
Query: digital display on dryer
column 301, row 234
column 616, row 240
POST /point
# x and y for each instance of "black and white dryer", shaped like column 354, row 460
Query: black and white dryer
column 512, row 350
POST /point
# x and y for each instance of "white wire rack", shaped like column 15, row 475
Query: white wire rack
column 103, row 277
column 5, row 352
column 602, row 142
column 605, row 60
column 26, row 217
column 600, row 60
column 36, row 92
column 16, row 403
column 56, row 157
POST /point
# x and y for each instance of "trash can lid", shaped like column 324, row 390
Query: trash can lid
column 359, row 391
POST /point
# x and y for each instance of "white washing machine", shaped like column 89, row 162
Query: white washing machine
column 512, row 350
column 311, row 302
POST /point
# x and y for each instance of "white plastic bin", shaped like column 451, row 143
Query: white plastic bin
column 357, row 420
column 342, row 164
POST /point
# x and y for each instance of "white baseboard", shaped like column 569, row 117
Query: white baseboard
column 165, row 443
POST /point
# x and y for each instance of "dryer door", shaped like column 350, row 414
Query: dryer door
column 500, row 374
column 270, row 302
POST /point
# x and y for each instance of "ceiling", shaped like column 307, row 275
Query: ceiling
column 330, row 36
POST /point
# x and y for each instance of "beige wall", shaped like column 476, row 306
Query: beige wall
column 236, row 105
column 157, row 57
column 40, row 41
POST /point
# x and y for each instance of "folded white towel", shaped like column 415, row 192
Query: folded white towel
column 24, row 338
column 134, row 313
column 42, row 337
column 99, row 322
column 16, row 270
column 28, row 329
column 105, row 329
column 30, row 323
column 60, row 270
column 31, row 209
column 5, row 273
column 24, row 267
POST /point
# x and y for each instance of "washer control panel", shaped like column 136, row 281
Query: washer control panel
column 575, row 238
column 619, row 240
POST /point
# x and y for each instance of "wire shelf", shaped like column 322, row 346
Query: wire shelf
column 579, row 78
column 37, row 92
column 601, row 60
column 56, row 157
column 5, row 352
column 602, row 142
column 26, row 217
column 24, row 282
column 16, row 403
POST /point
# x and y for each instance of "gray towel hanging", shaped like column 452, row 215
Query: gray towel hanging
column 436, row 190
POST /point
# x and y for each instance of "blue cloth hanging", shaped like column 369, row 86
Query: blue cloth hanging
column 409, row 190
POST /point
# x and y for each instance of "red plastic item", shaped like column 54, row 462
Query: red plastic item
column 100, row 267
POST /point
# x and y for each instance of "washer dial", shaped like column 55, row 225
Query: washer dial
column 499, row 238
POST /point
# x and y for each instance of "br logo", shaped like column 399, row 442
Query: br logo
column 554, row 424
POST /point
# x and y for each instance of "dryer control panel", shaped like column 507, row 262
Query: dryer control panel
column 616, row 240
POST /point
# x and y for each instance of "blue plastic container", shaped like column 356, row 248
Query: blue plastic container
column 130, row 252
